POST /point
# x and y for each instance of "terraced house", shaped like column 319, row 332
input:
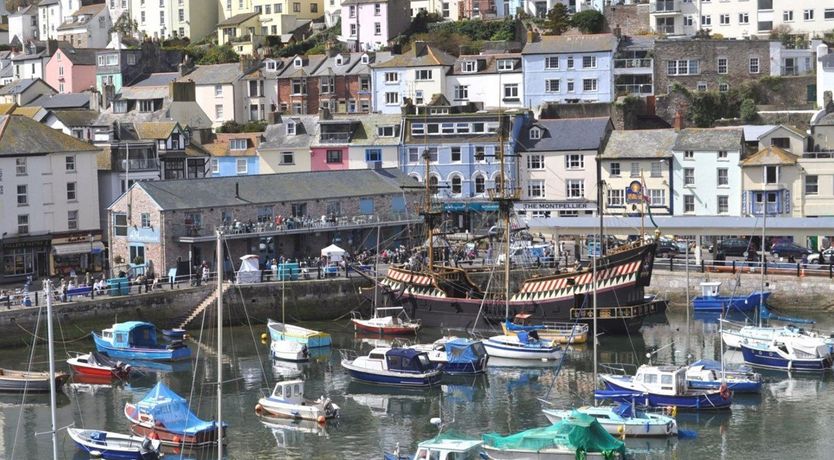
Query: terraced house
column 415, row 76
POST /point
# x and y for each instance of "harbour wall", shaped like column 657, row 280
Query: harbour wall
column 318, row 300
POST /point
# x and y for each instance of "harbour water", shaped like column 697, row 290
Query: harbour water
column 791, row 417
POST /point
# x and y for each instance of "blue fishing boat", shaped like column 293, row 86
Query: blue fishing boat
column 706, row 374
column 662, row 386
column 524, row 345
column 782, row 354
column 456, row 355
column 137, row 340
column 622, row 420
column 115, row 446
column 392, row 366
column 712, row 300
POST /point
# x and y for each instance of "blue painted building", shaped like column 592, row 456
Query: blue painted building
column 569, row 69
column 464, row 163
column 235, row 154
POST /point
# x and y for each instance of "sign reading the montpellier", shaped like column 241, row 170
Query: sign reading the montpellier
column 559, row 205
column 634, row 192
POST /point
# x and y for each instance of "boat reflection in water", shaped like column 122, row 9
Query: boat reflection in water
column 286, row 370
column 495, row 361
column 795, row 388
column 290, row 433
column 652, row 447
column 383, row 401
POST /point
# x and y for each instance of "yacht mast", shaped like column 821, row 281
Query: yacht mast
column 52, row 391
column 220, row 345
column 764, row 228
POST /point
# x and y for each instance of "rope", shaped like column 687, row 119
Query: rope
column 43, row 339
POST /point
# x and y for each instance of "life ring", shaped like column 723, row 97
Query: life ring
column 259, row 409
column 724, row 391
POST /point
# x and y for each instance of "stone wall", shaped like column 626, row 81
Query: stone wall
column 707, row 52
column 631, row 19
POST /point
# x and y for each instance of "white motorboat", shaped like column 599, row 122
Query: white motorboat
column 622, row 420
column 759, row 335
column 287, row 400
column 392, row 366
column 522, row 346
column 287, row 350
column 104, row 444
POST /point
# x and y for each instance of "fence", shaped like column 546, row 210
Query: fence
column 798, row 269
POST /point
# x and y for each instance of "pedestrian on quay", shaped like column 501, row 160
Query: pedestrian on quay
column 88, row 279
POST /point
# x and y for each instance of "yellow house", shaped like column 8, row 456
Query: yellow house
column 242, row 31
column 277, row 17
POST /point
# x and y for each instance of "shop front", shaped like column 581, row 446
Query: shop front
column 23, row 257
column 563, row 208
column 77, row 254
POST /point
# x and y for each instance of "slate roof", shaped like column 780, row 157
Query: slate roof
column 754, row 132
column 366, row 133
column 420, row 55
column 188, row 113
column 645, row 143
column 221, row 146
column 153, row 87
column 709, row 139
column 62, row 101
column 90, row 10
column 488, row 64
column 157, row 79
column 272, row 188
column 237, row 19
column 309, row 65
column 76, row 117
column 29, row 112
column 20, row 136
column 565, row 134
column 214, row 74
column 80, row 56
column 18, row 86
column 306, row 129
column 770, row 155
column 586, row 43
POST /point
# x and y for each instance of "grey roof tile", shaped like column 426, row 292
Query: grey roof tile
column 572, row 44
column 646, row 143
column 709, row 139
column 566, row 134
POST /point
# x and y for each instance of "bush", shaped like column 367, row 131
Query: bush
column 588, row 21
column 558, row 19
column 747, row 111
column 232, row 126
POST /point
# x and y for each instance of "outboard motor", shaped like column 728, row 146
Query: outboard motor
column 147, row 451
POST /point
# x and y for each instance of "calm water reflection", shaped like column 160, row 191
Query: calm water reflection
column 792, row 415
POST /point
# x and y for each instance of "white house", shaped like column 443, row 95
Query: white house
column 706, row 176
column 49, row 201
column 476, row 78
column 32, row 61
column 87, row 27
column 417, row 75
column 379, row 147
column 219, row 92
column 558, row 169
column 569, row 68
column 53, row 13
column 825, row 73
column 23, row 24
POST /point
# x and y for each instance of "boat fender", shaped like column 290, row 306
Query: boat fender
column 649, row 428
column 724, row 391
column 176, row 440
column 621, row 430
column 321, row 420
column 153, row 435
column 259, row 409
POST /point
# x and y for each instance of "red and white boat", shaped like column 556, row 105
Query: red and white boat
column 94, row 364
column 393, row 324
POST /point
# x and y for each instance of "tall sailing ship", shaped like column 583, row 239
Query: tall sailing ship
column 444, row 296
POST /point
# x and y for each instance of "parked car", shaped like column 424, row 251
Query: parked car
column 790, row 250
column 665, row 247
column 736, row 246
column 827, row 257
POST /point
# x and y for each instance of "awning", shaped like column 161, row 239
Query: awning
column 78, row 248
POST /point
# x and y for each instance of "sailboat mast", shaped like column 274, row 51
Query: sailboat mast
column 220, row 345
column 376, row 269
column 686, row 254
column 764, row 228
column 52, row 390
column 428, row 212
column 594, row 283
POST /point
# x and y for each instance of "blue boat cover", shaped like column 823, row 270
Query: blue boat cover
column 98, row 436
column 511, row 326
column 405, row 359
column 134, row 334
column 708, row 364
column 624, row 410
column 462, row 351
column 172, row 411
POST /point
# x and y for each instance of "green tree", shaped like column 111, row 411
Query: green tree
column 218, row 55
column 558, row 19
column 747, row 111
column 588, row 21
column 125, row 26
column 13, row 5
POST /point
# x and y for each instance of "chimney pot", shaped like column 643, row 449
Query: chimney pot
column 678, row 121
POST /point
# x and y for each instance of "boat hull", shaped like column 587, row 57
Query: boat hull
column 621, row 281
column 143, row 354
column 699, row 401
column 392, row 378
column 729, row 303
column 735, row 387
column 309, row 337
column 543, row 454
column 361, row 325
column 37, row 382
column 170, row 438
column 771, row 360
column 631, row 429
column 472, row 367
column 272, row 408
column 130, row 447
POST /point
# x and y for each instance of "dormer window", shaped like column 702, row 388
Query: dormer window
column 386, row 131
column 298, row 63
column 365, row 59
column 505, row 65
column 238, row 144
column 290, row 128
column 270, row 65
column 535, row 133
column 469, row 66
column 339, row 60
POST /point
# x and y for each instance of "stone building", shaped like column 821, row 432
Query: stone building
column 158, row 225
column 709, row 65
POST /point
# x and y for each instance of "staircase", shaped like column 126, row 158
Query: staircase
column 208, row 301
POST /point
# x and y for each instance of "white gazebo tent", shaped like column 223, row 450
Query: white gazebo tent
column 333, row 253
column 250, row 270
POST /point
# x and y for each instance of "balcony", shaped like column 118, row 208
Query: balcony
column 665, row 7
column 191, row 233
column 334, row 138
column 773, row 209
column 634, row 90
column 136, row 165
column 634, row 66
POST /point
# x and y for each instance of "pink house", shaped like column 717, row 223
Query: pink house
column 329, row 158
column 368, row 25
column 71, row 70
column 330, row 150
